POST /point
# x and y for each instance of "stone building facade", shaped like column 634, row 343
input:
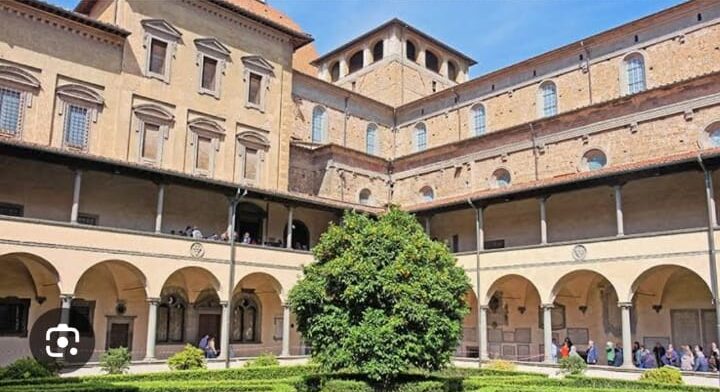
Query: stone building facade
column 576, row 188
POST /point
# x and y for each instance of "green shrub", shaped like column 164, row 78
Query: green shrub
column 663, row 375
column 263, row 360
column 190, row 358
column 573, row 364
column 346, row 386
column 115, row 361
column 500, row 365
column 25, row 368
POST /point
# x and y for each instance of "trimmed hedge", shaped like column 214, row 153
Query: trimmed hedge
column 413, row 382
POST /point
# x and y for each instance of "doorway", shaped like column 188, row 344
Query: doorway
column 119, row 332
column 300, row 235
column 209, row 324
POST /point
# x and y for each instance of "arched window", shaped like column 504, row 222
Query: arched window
column 427, row 193
column 431, row 61
column 410, row 51
column 420, row 137
column 478, row 119
column 594, row 159
column 371, row 139
column 171, row 316
column 377, row 51
column 501, row 178
column 319, row 121
column 300, row 235
column 335, row 72
column 246, row 319
column 356, row 62
column 452, row 71
column 634, row 73
column 249, row 219
column 364, row 196
column 547, row 99
column 713, row 132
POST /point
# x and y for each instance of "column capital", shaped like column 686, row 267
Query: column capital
column 67, row 297
column 224, row 304
column 625, row 305
column 618, row 185
column 153, row 300
column 543, row 198
column 547, row 306
column 484, row 308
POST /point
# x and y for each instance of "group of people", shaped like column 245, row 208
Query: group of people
column 194, row 232
column 687, row 359
column 207, row 344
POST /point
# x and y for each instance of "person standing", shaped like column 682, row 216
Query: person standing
column 659, row 352
column 210, row 351
column 610, row 353
column 554, row 351
column 592, row 355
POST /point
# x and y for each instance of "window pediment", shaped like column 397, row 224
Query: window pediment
column 81, row 93
column 258, row 63
column 212, row 45
column 160, row 26
column 207, row 125
column 18, row 76
column 253, row 139
column 156, row 112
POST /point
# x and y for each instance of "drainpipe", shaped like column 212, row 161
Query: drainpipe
column 239, row 195
column 709, row 197
column 477, row 278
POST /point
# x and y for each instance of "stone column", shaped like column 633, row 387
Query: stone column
column 427, row 225
column 483, row 352
column 343, row 67
column 626, row 335
column 151, row 328
column 547, row 331
column 65, row 302
column 225, row 331
column 367, row 56
column 619, row 211
column 75, row 210
column 286, row 331
column 543, row 220
column 159, row 209
column 288, row 240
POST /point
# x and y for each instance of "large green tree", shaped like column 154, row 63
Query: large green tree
column 381, row 298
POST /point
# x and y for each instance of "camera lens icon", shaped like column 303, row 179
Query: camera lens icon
column 62, row 336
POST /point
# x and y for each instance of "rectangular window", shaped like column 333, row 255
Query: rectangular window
column 421, row 142
column 494, row 244
column 151, row 141
column 87, row 219
column 202, row 153
column 81, row 316
column 549, row 101
column 11, row 209
column 635, row 75
column 158, row 52
column 254, row 88
column 251, row 161
column 76, row 126
column 10, row 109
column 209, row 73
column 14, row 316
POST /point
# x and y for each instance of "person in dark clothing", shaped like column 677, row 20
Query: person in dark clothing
column 659, row 352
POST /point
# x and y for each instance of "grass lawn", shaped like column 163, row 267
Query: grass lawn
column 285, row 379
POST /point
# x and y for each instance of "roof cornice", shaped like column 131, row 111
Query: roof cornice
column 75, row 17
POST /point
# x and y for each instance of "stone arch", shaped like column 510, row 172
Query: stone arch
column 580, row 274
column 672, row 304
column 529, row 288
column 300, row 235
column 39, row 270
column 258, row 298
column 256, row 278
column 114, row 267
column 194, row 280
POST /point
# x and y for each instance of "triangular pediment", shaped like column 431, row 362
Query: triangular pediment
column 258, row 62
column 212, row 45
column 162, row 27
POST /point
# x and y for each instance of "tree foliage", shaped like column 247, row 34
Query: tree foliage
column 381, row 298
